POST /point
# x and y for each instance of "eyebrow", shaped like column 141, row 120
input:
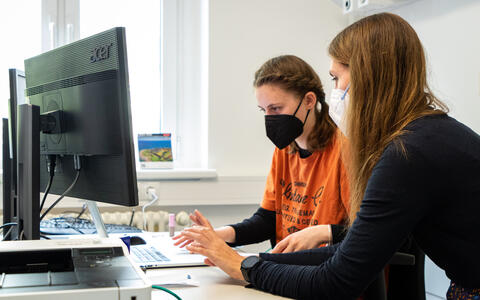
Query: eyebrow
column 273, row 104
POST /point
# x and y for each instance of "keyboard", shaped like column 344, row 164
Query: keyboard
column 147, row 254
column 69, row 226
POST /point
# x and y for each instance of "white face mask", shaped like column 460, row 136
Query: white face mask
column 337, row 107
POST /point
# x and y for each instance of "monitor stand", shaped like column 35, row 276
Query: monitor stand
column 28, row 171
column 97, row 219
column 30, row 124
column 9, row 186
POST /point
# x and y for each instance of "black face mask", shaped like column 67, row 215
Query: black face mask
column 282, row 130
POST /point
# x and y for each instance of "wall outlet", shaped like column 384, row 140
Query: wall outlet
column 143, row 187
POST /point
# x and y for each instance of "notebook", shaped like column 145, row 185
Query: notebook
column 159, row 252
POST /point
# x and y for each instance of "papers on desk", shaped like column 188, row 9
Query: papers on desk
column 173, row 281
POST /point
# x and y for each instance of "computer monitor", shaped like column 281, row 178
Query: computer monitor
column 17, row 96
column 81, row 91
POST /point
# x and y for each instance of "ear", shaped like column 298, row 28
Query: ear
column 310, row 100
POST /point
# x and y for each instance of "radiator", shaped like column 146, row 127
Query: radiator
column 156, row 220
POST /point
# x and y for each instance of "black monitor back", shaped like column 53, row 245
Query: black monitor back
column 17, row 97
column 88, row 81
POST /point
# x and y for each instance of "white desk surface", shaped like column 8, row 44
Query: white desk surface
column 214, row 284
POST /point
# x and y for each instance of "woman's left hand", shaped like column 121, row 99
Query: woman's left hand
column 209, row 244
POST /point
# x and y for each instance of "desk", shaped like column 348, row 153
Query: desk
column 214, row 284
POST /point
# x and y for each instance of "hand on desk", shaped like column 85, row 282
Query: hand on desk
column 198, row 220
column 226, row 233
column 307, row 238
column 218, row 253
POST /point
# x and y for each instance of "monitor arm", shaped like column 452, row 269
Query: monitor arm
column 30, row 123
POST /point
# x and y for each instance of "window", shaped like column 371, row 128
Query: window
column 167, row 58
column 142, row 22
column 21, row 35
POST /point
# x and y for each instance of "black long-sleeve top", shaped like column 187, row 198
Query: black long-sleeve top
column 261, row 227
column 256, row 229
column 432, row 193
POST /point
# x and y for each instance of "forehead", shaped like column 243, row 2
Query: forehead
column 337, row 67
column 270, row 93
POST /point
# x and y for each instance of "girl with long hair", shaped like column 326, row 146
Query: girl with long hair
column 413, row 170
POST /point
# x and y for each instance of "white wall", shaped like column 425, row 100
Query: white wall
column 243, row 35
column 449, row 31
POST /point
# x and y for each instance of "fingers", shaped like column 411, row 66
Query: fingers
column 289, row 248
column 197, row 250
column 201, row 218
column 198, row 234
column 180, row 239
column 203, row 236
column 209, row 262
column 186, row 243
column 280, row 246
column 199, row 230
column 286, row 245
column 193, row 218
column 196, row 244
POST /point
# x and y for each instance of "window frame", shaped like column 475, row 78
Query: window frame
column 183, row 70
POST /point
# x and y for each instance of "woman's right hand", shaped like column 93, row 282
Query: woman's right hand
column 307, row 238
column 198, row 220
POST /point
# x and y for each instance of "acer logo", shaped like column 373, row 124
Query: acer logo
column 100, row 53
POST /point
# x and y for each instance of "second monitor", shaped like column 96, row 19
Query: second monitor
column 82, row 92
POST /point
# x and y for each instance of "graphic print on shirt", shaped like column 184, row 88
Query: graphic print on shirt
column 296, row 206
column 306, row 192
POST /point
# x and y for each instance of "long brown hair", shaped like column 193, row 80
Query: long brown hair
column 388, row 90
column 293, row 74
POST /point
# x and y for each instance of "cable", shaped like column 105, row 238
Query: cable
column 153, row 195
column 166, row 290
column 8, row 224
column 131, row 218
column 84, row 208
column 11, row 224
column 77, row 166
column 51, row 169
column 62, row 196
column 49, row 185
column 8, row 232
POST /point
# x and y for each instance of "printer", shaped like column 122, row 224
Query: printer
column 70, row 269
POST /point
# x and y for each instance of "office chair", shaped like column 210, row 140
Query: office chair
column 406, row 276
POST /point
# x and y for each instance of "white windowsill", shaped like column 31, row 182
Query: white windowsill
column 175, row 174
column 174, row 190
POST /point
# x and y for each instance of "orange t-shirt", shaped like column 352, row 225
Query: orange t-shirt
column 306, row 191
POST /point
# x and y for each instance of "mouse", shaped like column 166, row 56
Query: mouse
column 136, row 240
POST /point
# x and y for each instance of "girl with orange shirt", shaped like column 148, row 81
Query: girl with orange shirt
column 306, row 188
